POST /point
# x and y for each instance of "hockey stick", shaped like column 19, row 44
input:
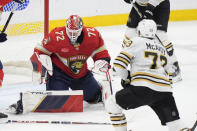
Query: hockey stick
column 9, row 18
column 194, row 126
column 55, row 122
column 190, row 129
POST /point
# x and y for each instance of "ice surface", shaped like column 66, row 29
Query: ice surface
column 20, row 48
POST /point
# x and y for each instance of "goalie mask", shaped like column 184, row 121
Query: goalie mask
column 74, row 26
column 147, row 28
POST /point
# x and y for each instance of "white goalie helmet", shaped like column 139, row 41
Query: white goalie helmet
column 74, row 26
column 147, row 28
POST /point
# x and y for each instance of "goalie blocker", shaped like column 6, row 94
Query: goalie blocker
column 42, row 65
column 49, row 101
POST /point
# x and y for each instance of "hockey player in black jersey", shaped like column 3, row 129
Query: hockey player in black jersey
column 146, row 83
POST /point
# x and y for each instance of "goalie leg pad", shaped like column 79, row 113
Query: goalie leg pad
column 101, row 73
column 104, row 81
column 50, row 101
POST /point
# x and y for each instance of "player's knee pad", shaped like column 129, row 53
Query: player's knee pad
column 111, row 106
column 126, row 99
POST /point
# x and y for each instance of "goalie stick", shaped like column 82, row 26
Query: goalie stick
column 9, row 18
column 55, row 122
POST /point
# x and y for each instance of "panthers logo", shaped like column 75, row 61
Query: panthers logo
column 76, row 63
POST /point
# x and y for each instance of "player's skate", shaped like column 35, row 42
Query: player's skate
column 2, row 115
column 16, row 108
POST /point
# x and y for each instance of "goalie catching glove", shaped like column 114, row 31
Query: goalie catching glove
column 41, row 65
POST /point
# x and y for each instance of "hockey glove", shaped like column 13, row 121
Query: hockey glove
column 19, row 1
column 126, row 83
column 101, row 66
column 3, row 37
column 176, row 69
column 148, row 14
column 170, row 50
column 41, row 65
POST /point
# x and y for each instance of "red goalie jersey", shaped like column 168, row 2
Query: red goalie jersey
column 73, row 59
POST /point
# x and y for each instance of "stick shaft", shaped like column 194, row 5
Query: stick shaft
column 56, row 122
column 9, row 18
column 194, row 126
column 7, row 22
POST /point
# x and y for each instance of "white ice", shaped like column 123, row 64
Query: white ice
column 20, row 48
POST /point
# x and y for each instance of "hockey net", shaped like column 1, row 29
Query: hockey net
column 26, row 28
column 23, row 21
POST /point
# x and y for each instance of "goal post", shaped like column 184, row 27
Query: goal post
column 46, row 17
